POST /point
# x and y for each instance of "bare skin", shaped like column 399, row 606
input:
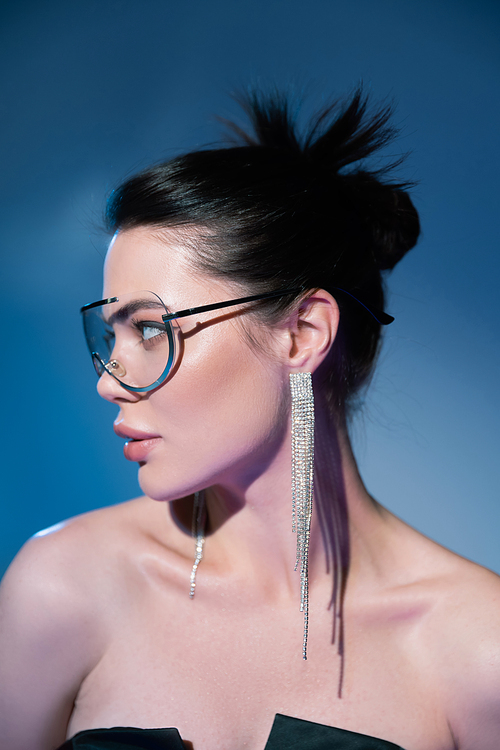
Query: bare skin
column 97, row 626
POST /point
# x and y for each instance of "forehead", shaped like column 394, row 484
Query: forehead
column 157, row 260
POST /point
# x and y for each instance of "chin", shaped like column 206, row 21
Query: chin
column 160, row 488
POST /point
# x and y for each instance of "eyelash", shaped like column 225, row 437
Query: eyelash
column 140, row 325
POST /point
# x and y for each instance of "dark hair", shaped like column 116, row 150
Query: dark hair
column 277, row 210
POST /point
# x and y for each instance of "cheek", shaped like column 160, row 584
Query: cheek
column 222, row 384
column 225, row 409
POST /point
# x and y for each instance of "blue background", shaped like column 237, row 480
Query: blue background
column 91, row 92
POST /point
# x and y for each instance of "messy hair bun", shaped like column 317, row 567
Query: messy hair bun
column 280, row 209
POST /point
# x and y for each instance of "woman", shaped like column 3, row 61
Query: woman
column 261, row 266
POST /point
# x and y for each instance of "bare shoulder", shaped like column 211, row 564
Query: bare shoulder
column 56, row 608
column 73, row 548
column 465, row 601
column 467, row 649
column 461, row 640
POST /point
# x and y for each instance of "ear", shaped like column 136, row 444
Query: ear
column 312, row 330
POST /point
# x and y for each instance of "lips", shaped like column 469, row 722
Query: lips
column 138, row 444
column 137, row 450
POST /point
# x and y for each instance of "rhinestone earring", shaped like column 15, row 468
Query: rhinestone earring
column 302, row 481
column 199, row 519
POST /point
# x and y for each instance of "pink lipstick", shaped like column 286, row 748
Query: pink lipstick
column 138, row 444
column 137, row 450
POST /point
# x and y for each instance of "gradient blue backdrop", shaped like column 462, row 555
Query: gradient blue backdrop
column 90, row 92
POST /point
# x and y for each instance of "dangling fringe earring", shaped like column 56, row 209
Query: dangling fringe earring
column 199, row 518
column 302, row 481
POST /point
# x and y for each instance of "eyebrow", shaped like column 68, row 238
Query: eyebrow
column 129, row 309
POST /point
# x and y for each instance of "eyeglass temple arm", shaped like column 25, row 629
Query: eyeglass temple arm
column 380, row 316
column 229, row 303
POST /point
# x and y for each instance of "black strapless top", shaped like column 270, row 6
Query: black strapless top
column 287, row 733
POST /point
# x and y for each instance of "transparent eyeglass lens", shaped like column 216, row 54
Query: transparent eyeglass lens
column 129, row 339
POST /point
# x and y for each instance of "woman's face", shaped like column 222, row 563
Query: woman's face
column 222, row 414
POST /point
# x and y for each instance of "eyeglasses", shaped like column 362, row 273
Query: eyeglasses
column 139, row 329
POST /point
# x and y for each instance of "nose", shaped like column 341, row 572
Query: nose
column 110, row 389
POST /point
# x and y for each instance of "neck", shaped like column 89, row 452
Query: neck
column 249, row 526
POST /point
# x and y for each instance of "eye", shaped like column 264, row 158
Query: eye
column 150, row 330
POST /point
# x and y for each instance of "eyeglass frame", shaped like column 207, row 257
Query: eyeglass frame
column 380, row 316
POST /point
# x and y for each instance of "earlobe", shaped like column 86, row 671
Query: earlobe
column 312, row 330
